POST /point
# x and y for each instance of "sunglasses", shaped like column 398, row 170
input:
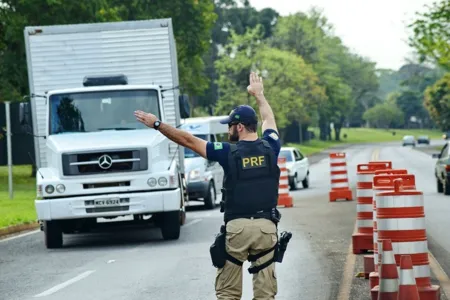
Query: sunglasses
column 232, row 123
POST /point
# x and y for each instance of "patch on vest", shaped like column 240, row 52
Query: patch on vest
column 274, row 136
column 218, row 146
column 253, row 162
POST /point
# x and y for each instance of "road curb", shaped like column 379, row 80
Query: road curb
column 18, row 228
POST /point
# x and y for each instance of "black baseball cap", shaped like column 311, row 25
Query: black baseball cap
column 242, row 114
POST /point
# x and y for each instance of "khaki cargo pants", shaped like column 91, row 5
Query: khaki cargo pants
column 244, row 237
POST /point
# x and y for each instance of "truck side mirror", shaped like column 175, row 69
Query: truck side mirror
column 185, row 111
column 25, row 116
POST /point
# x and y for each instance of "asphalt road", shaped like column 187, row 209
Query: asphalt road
column 138, row 264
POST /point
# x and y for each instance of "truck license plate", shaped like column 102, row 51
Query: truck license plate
column 107, row 202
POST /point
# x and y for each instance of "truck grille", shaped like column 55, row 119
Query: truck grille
column 110, row 161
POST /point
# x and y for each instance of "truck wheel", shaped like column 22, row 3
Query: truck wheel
column 210, row 199
column 440, row 186
column 53, row 234
column 170, row 225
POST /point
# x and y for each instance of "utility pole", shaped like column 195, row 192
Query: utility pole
column 8, row 146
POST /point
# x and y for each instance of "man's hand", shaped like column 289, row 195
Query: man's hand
column 256, row 87
column 147, row 119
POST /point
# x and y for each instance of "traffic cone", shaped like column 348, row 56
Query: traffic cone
column 407, row 289
column 388, row 288
column 284, row 198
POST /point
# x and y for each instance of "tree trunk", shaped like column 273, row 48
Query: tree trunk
column 323, row 129
column 337, row 132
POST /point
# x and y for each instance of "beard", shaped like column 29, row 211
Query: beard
column 234, row 136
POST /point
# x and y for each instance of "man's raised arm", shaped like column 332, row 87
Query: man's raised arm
column 256, row 89
column 180, row 137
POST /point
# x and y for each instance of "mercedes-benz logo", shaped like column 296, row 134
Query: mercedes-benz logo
column 105, row 161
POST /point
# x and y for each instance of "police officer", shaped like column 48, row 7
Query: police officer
column 250, row 192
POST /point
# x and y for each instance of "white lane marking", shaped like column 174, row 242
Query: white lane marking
column 65, row 284
column 440, row 274
column 111, row 261
column 19, row 236
column 192, row 222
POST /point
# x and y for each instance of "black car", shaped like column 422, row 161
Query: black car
column 424, row 139
column 442, row 170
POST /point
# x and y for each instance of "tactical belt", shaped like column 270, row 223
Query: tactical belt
column 264, row 215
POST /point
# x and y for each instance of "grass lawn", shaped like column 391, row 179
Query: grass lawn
column 364, row 135
column 20, row 209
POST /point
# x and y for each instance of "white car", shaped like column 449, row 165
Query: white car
column 298, row 167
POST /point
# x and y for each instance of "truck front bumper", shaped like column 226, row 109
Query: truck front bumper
column 130, row 203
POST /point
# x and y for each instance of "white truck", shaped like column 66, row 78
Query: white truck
column 94, row 160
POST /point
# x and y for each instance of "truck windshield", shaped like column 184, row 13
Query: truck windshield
column 100, row 110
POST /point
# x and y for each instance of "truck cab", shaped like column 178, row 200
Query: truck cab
column 95, row 162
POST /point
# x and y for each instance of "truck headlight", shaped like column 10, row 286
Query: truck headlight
column 60, row 188
column 49, row 189
column 162, row 181
column 151, row 182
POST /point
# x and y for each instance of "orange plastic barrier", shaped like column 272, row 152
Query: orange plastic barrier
column 340, row 188
column 401, row 219
column 383, row 183
column 284, row 198
column 362, row 241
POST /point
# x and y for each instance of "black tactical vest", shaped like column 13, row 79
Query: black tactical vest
column 251, row 184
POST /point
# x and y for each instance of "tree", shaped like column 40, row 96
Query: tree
column 347, row 78
column 437, row 101
column 192, row 20
column 15, row 15
column 432, row 34
column 384, row 115
column 231, row 17
column 291, row 86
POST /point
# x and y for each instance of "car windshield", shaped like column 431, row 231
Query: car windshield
column 188, row 153
column 408, row 137
column 100, row 110
column 286, row 154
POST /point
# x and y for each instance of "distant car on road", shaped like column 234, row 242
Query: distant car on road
column 423, row 139
column 409, row 140
column 298, row 167
column 446, row 135
column 442, row 170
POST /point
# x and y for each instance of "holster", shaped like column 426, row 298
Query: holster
column 217, row 249
column 283, row 241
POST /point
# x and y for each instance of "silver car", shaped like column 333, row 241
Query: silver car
column 409, row 140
